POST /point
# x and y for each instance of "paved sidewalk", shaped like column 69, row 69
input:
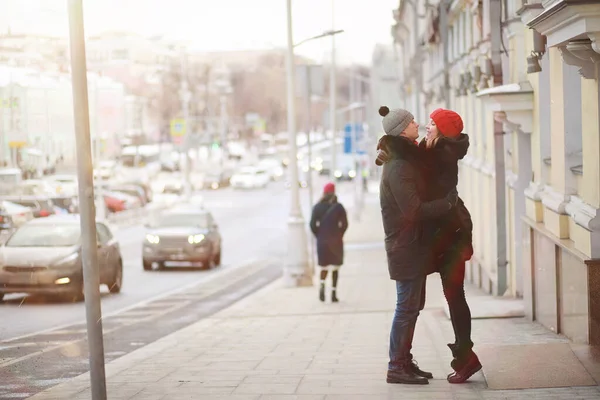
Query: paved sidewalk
column 284, row 344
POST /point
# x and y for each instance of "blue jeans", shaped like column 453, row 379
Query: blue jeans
column 410, row 301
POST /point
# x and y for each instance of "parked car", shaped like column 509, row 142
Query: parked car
column 131, row 190
column 44, row 257
column 250, row 178
column 183, row 234
column 145, row 187
column 106, row 169
column 6, row 222
column 42, row 206
column 216, row 180
column 18, row 213
column 68, row 203
column 117, row 202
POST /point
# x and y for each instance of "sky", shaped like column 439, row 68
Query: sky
column 220, row 25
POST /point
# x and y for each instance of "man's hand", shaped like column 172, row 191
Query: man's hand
column 452, row 197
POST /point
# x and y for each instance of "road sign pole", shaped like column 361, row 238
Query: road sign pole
column 89, row 242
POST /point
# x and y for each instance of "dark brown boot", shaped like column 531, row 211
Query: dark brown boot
column 418, row 371
column 405, row 375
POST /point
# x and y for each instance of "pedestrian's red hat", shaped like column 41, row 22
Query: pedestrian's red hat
column 448, row 122
column 329, row 188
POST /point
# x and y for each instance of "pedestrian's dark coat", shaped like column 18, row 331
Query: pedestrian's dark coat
column 329, row 223
column 402, row 190
column 451, row 232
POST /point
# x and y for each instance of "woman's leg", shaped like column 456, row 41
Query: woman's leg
column 324, row 271
column 453, row 277
column 334, row 281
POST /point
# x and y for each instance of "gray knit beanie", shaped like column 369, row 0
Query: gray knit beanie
column 395, row 121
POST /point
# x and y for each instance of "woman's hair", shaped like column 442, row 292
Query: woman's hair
column 431, row 143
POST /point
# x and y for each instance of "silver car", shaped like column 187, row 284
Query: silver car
column 44, row 257
column 183, row 234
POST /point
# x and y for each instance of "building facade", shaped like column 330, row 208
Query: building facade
column 36, row 115
column 524, row 75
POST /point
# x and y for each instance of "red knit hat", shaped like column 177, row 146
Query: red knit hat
column 329, row 188
column 449, row 123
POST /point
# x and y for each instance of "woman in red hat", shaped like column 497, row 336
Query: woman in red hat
column 329, row 223
column 444, row 146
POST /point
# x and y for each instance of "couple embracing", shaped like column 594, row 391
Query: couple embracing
column 428, row 229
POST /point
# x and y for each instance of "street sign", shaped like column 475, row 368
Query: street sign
column 349, row 145
column 178, row 130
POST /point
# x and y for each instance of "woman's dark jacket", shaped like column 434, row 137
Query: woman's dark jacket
column 329, row 223
column 451, row 233
column 404, row 211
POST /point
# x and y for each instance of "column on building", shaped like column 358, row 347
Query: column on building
column 564, row 250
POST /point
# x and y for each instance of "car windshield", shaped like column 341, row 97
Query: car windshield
column 183, row 220
column 51, row 235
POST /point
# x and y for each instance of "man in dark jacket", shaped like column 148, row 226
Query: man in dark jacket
column 408, row 250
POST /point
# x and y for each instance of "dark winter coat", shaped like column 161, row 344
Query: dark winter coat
column 402, row 190
column 452, row 232
column 329, row 223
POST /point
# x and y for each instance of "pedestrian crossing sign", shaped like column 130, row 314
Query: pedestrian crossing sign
column 178, row 127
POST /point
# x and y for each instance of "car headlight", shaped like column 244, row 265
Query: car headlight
column 153, row 239
column 195, row 239
column 338, row 174
column 68, row 261
column 352, row 173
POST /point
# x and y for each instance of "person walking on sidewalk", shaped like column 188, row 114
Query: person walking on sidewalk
column 329, row 223
column 445, row 145
column 408, row 251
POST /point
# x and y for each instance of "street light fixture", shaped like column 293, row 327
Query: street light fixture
column 322, row 35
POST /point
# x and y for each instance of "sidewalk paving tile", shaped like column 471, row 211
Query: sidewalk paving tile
column 284, row 344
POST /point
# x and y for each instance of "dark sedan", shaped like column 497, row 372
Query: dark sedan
column 44, row 256
column 184, row 234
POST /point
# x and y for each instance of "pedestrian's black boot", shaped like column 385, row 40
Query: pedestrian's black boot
column 334, row 298
column 418, row 371
column 465, row 365
column 406, row 375
column 322, row 292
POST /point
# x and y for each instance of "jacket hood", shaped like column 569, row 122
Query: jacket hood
column 450, row 150
column 395, row 147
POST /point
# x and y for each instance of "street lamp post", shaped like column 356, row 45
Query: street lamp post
column 296, row 268
column 185, row 101
column 91, row 278
column 332, row 97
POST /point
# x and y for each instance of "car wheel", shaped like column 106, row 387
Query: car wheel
column 147, row 265
column 117, row 281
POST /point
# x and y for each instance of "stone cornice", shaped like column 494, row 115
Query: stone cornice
column 565, row 20
column 529, row 12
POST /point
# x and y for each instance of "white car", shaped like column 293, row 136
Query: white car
column 64, row 184
column 18, row 213
column 273, row 166
column 106, row 169
column 37, row 187
column 250, row 178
